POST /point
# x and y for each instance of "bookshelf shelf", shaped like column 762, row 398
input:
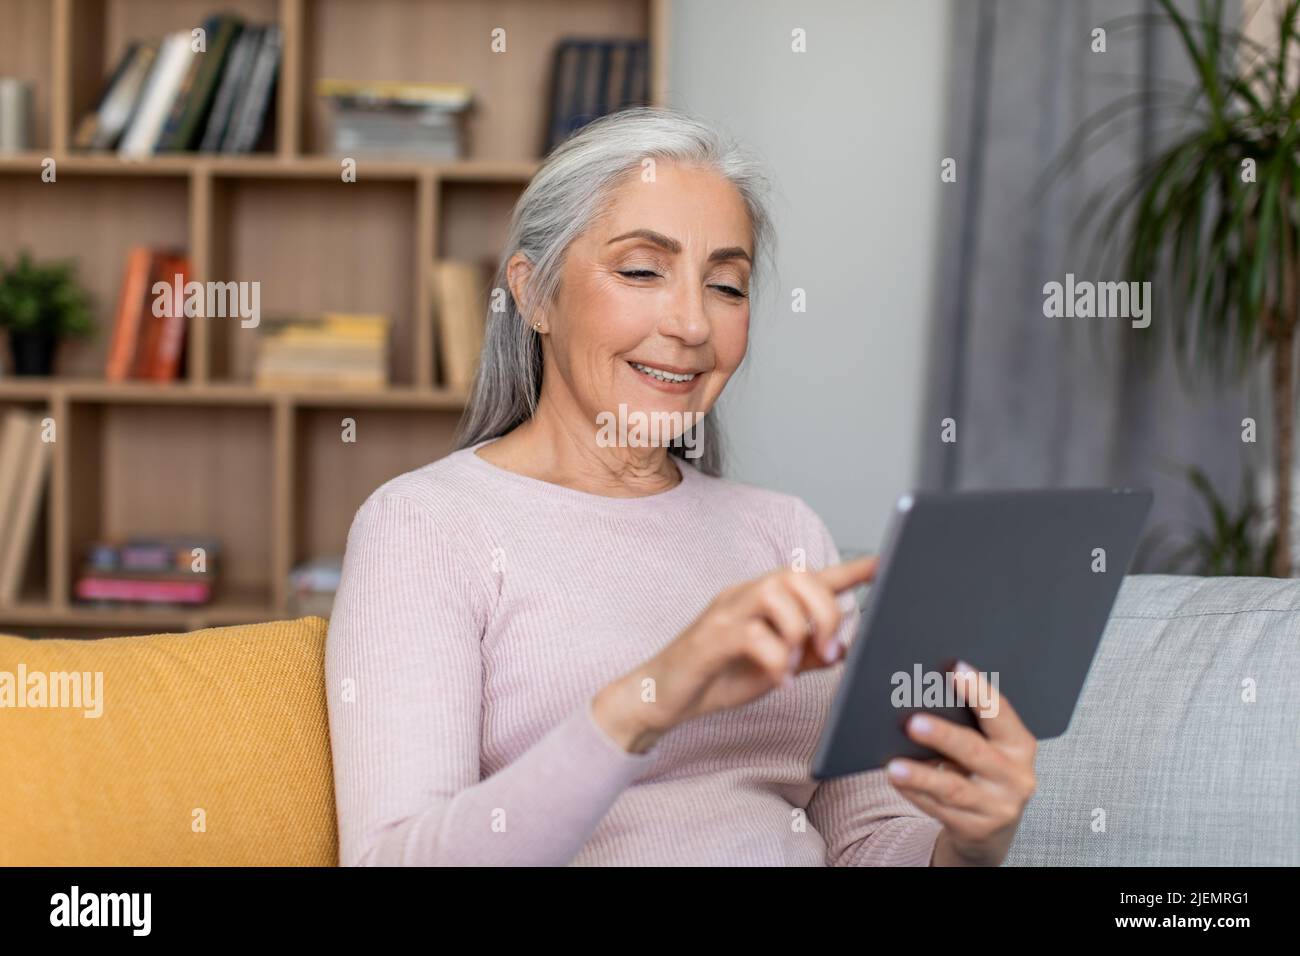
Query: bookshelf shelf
column 92, row 390
column 263, row 470
column 236, row 609
column 301, row 167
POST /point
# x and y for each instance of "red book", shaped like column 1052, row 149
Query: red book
column 166, row 364
column 130, row 309
column 146, row 346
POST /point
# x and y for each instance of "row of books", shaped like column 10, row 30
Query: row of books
column 211, row 92
column 593, row 77
column 149, row 329
column 24, row 471
column 397, row 120
column 167, row 571
column 332, row 351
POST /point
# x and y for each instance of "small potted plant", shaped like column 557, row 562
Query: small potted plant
column 39, row 306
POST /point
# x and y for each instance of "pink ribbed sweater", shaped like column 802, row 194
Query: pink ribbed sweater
column 479, row 613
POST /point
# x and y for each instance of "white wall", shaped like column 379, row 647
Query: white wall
column 828, row 403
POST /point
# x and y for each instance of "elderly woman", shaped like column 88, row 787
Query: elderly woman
column 565, row 643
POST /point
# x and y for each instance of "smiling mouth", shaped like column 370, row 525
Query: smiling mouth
column 663, row 375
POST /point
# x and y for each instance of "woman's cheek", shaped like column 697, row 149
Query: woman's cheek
column 731, row 340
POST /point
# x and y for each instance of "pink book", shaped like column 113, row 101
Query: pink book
column 154, row 592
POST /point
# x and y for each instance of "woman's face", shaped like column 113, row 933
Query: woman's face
column 661, row 281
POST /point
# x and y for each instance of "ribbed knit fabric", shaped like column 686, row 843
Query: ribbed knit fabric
column 479, row 613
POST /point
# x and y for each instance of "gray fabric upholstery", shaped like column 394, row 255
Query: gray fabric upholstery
column 1186, row 771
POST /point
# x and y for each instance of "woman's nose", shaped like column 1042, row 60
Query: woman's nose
column 686, row 318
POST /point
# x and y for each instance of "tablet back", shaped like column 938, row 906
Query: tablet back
column 1019, row 584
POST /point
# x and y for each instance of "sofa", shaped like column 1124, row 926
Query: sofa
column 213, row 747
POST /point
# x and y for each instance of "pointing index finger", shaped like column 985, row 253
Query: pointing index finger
column 848, row 574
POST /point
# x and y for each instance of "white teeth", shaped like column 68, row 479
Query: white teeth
column 661, row 374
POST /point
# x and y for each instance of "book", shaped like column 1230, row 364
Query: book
column 150, row 327
column 149, row 570
column 447, row 96
column 330, row 351
column 118, row 110
column 234, row 77
column 145, row 345
column 174, row 60
column 25, row 509
column 459, row 314
column 400, row 120
column 190, row 112
column 158, row 346
column 15, row 437
column 171, row 124
column 254, row 107
column 114, row 103
column 165, row 362
column 591, row 78
column 166, row 96
column 429, row 135
column 150, row 555
column 131, row 305
column 93, row 587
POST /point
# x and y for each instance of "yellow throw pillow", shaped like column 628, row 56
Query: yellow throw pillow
column 209, row 748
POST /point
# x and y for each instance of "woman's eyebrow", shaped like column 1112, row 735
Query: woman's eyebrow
column 673, row 246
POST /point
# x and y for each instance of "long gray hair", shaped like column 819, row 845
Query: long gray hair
column 567, row 193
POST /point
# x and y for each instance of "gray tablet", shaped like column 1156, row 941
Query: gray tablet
column 1019, row 584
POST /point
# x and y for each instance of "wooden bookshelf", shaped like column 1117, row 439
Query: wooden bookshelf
column 265, row 472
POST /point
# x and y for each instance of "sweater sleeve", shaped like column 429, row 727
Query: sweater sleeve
column 404, row 679
column 862, row 817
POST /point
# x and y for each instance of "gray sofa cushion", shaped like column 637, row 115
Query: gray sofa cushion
column 1164, row 743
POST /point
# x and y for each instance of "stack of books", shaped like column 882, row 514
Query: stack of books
column 420, row 121
column 149, row 331
column 312, row 586
column 336, row 350
column 460, row 304
column 149, row 571
column 210, row 92
column 24, row 468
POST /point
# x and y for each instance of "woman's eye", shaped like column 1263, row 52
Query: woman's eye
column 638, row 273
column 731, row 291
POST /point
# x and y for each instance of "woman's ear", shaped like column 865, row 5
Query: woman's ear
column 519, row 274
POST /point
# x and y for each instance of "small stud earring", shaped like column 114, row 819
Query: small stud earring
column 537, row 326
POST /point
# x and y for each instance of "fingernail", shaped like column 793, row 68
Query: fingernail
column 964, row 669
column 898, row 771
column 831, row 652
column 921, row 724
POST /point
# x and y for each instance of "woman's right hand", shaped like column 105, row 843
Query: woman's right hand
column 753, row 638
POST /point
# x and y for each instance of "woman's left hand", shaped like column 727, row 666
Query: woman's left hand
column 980, row 786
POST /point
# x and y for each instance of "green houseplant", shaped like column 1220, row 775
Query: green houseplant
column 1212, row 220
column 39, row 305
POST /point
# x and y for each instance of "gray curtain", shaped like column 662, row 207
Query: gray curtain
column 1054, row 402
